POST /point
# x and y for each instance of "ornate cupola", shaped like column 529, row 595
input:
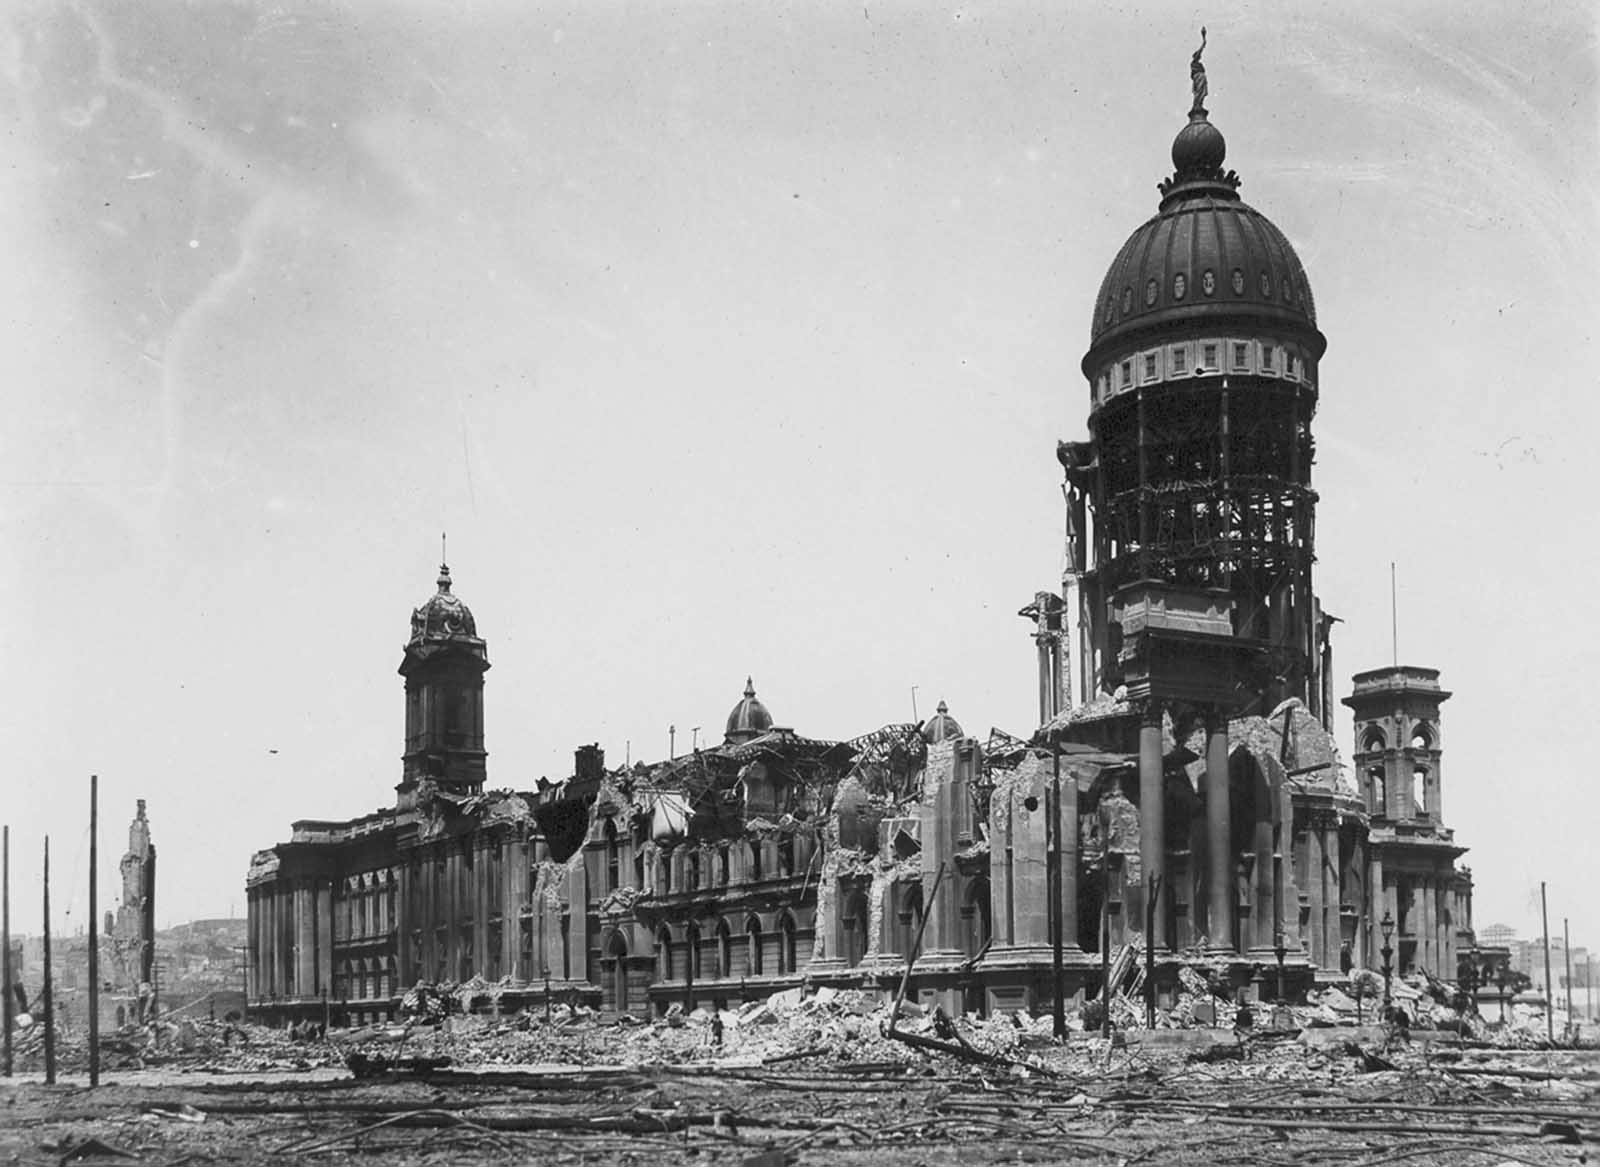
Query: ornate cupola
column 749, row 718
column 941, row 727
column 443, row 665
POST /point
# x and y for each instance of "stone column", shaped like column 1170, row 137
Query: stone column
column 480, row 904
column 1264, row 893
column 269, row 925
column 402, row 926
column 305, row 944
column 1219, row 847
column 1331, row 899
column 511, row 892
column 1002, row 908
column 944, row 790
column 1377, row 907
column 1316, row 940
column 1153, row 818
column 322, row 962
column 1067, row 833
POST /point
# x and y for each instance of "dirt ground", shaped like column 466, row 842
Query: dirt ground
column 1339, row 1097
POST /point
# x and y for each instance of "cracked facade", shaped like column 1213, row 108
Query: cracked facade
column 1183, row 783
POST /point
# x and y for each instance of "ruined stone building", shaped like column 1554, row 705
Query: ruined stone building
column 1182, row 788
column 130, row 972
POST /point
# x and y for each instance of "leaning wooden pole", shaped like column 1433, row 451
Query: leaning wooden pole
column 49, row 994
column 94, row 931
column 6, row 971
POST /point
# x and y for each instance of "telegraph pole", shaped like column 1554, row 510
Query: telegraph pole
column 94, row 931
column 1105, row 922
column 1549, row 984
column 49, row 995
column 1053, row 824
column 1566, row 944
column 5, row 940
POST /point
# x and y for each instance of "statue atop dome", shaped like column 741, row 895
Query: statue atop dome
column 1197, row 76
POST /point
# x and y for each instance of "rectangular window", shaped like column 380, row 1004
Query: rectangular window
column 1209, row 356
column 1266, row 358
column 1127, row 373
column 1241, row 356
column 1180, row 361
column 1150, row 367
column 1294, row 366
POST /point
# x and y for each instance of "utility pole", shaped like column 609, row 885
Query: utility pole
column 1566, row 944
column 5, row 940
column 1549, row 984
column 1105, row 923
column 1053, row 825
column 49, row 994
column 94, row 931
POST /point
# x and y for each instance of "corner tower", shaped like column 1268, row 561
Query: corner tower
column 443, row 665
column 1412, row 873
column 1190, row 507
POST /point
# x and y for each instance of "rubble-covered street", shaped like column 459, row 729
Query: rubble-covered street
column 812, row 1080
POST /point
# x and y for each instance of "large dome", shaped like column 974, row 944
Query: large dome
column 1205, row 256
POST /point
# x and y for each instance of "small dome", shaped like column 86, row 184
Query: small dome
column 749, row 718
column 941, row 727
column 444, row 616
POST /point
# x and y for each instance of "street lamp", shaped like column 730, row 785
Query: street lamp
column 1387, row 927
column 1280, row 951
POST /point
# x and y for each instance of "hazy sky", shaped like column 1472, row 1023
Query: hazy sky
column 732, row 340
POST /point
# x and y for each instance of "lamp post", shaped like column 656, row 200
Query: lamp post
column 1471, row 979
column 1280, row 951
column 1387, row 927
column 1503, row 979
column 545, row 971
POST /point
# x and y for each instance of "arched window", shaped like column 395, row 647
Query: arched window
column 752, row 931
column 694, row 868
column 1419, row 789
column 664, row 953
column 1374, row 742
column 664, row 858
column 855, row 920
column 692, row 937
column 722, row 864
column 755, row 858
column 1380, row 790
column 613, row 857
column 1421, row 739
column 976, row 913
column 724, row 950
column 786, row 854
column 786, row 944
column 910, row 918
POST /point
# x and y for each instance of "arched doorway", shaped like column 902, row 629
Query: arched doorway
column 617, row 950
